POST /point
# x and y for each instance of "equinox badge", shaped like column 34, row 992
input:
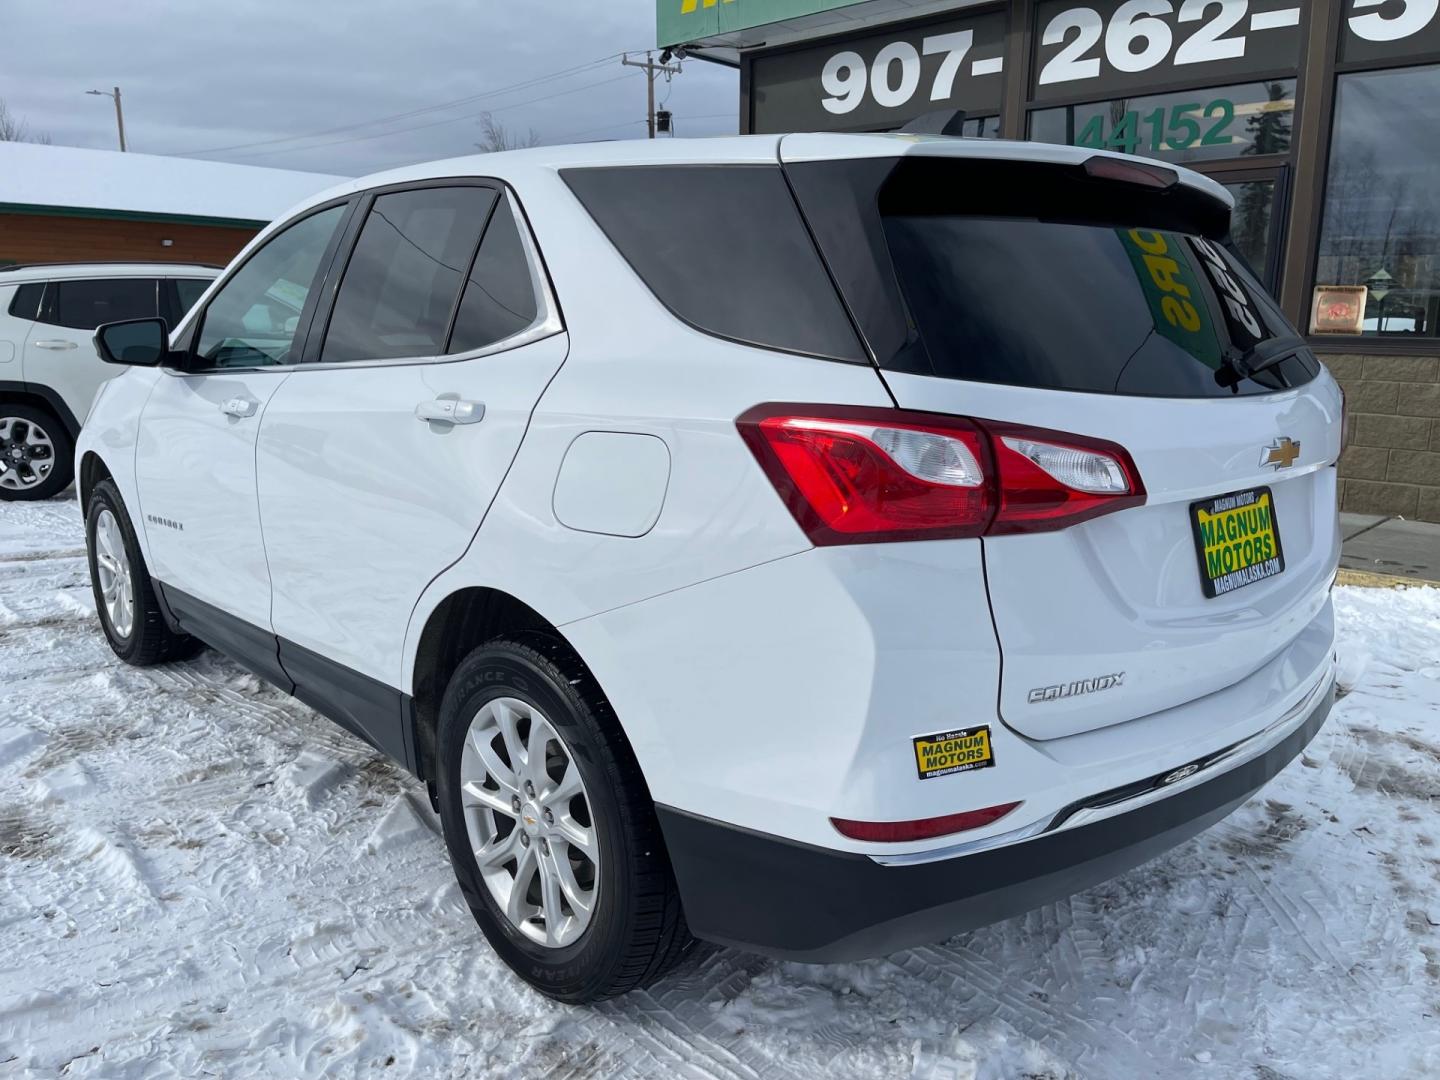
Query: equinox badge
column 1073, row 689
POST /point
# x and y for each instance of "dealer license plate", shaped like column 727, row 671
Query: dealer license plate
column 1237, row 539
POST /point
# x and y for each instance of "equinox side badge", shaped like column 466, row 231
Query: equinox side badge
column 1074, row 689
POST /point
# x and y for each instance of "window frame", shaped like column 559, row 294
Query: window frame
column 1351, row 344
column 548, row 322
column 189, row 340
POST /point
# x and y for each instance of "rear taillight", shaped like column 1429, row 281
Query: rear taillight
column 853, row 474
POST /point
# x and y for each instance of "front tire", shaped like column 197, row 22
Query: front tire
column 124, row 594
column 550, row 827
column 36, row 454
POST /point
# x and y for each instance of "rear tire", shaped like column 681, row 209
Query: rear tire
column 634, row 930
column 125, row 598
column 37, row 455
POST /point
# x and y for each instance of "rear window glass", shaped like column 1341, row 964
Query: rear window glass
column 1105, row 308
column 1040, row 274
column 724, row 248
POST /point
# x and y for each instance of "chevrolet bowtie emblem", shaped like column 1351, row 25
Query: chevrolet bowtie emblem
column 1280, row 454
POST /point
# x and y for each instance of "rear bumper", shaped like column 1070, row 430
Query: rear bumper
column 801, row 902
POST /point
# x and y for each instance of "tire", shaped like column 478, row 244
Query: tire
column 32, row 440
column 636, row 930
column 114, row 556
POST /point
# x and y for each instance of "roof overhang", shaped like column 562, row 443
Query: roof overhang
column 721, row 30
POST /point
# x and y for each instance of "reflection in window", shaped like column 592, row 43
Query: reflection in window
column 1251, row 224
column 1195, row 125
column 402, row 281
column 1381, row 223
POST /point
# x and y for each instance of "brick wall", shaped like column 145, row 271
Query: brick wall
column 1392, row 465
column 31, row 238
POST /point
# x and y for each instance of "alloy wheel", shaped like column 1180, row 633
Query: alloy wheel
column 113, row 567
column 26, row 453
column 529, row 822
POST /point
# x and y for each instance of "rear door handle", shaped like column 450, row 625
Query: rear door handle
column 54, row 343
column 450, row 411
column 239, row 407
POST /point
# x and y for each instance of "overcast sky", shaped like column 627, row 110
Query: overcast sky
column 212, row 77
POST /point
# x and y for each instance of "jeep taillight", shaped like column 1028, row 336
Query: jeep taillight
column 855, row 474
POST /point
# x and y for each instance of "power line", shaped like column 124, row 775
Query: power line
column 631, row 123
column 535, row 80
column 434, row 123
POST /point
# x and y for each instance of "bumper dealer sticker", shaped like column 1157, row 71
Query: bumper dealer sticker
column 953, row 752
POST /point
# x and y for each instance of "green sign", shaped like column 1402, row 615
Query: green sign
column 681, row 21
column 1172, row 289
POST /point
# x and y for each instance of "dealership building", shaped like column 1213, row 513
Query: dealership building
column 1320, row 117
column 67, row 204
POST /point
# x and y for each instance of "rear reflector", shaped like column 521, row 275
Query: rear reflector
column 853, row 474
column 893, row 832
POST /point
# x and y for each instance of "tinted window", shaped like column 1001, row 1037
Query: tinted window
column 724, row 248
column 253, row 319
column 499, row 298
column 1042, row 275
column 1107, row 309
column 188, row 290
column 25, row 304
column 84, row 305
column 404, row 277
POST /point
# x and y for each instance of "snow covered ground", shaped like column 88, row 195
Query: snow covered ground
column 200, row 877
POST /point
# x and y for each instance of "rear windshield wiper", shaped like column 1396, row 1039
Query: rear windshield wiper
column 1239, row 364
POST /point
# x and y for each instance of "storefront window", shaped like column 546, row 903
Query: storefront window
column 1196, row 125
column 1252, row 224
column 1381, row 224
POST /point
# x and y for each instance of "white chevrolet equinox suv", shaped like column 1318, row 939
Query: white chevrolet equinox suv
column 49, row 370
column 814, row 544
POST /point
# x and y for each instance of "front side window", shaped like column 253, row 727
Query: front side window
column 188, row 290
column 402, row 282
column 1380, row 228
column 252, row 321
column 86, row 304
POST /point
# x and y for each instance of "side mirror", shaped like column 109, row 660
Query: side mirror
column 135, row 343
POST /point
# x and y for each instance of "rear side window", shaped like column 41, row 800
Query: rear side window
column 86, row 304
column 499, row 299
column 404, row 277
column 25, row 304
column 724, row 248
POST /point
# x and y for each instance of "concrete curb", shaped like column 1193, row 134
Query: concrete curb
column 1366, row 580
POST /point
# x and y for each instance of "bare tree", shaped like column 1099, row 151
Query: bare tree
column 495, row 136
column 13, row 129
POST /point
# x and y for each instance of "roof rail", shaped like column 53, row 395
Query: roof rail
column 106, row 262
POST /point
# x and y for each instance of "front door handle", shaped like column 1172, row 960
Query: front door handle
column 239, row 407
column 450, row 411
column 54, row 343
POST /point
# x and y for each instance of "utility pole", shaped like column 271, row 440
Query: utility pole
column 651, row 70
column 119, row 113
